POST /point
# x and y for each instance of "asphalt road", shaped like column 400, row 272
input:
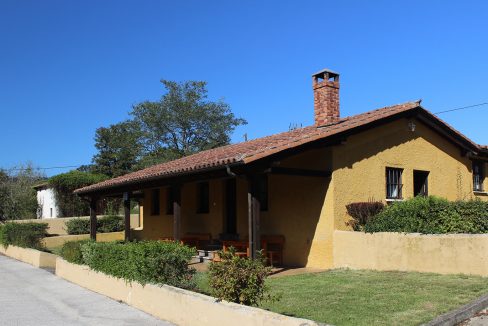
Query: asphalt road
column 33, row 296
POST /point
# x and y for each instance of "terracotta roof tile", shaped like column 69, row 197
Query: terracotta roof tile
column 246, row 152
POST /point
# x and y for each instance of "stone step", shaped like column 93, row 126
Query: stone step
column 207, row 253
column 200, row 259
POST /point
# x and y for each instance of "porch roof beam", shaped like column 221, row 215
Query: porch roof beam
column 93, row 218
column 126, row 199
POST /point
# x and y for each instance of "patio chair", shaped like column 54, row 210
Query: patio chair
column 273, row 248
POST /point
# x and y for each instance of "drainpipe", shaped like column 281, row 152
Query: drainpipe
column 229, row 171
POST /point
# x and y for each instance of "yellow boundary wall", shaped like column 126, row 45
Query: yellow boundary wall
column 58, row 241
column 58, row 225
column 30, row 256
column 178, row 306
column 443, row 254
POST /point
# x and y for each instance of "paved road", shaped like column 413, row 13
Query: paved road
column 33, row 296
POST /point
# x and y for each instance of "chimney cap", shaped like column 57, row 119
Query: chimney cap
column 323, row 71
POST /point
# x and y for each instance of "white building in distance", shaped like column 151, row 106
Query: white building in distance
column 46, row 202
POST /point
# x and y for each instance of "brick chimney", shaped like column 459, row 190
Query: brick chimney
column 326, row 97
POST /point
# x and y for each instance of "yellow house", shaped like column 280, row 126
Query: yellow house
column 294, row 186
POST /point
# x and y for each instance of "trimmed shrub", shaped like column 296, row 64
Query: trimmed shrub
column 362, row 212
column 431, row 215
column 105, row 224
column 25, row 235
column 111, row 223
column 240, row 280
column 143, row 262
column 78, row 226
column 71, row 251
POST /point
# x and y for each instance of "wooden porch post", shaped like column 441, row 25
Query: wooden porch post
column 177, row 212
column 93, row 218
column 254, row 211
column 126, row 199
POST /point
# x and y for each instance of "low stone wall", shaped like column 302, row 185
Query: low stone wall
column 58, row 241
column 173, row 304
column 444, row 254
column 30, row 256
column 55, row 225
column 58, row 225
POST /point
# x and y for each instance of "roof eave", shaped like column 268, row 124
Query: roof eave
column 127, row 185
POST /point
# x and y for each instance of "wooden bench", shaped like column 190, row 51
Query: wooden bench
column 273, row 248
column 241, row 247
column 197, row 240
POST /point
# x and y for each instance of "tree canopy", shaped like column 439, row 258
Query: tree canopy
column 183, row 122
column 118, row 148
column 18, row 198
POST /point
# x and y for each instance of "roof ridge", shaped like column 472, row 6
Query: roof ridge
column 252, row 150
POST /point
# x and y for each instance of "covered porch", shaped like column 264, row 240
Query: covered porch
column 274, row 207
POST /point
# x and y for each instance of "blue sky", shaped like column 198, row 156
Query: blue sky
column 69, row 67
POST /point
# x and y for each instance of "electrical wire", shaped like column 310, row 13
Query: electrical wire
column 76, row 166
column 48, row 168
column 462, row 108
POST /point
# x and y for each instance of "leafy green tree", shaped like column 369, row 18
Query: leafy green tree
column 18, row 199
column 118, row 149
column 183, row 122
column 64, row 184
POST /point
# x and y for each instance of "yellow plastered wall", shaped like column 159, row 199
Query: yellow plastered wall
column 307, row 210
column 359, row 166
column 161, row 226
column 296, row 209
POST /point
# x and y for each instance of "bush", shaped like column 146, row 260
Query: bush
column 78, row 226
column 110, row 223
column 362, row 212
column 71, row 251
column 25, row 235
column 239, row 280
column 104, row 224
column 143, row 262
column 432, row 215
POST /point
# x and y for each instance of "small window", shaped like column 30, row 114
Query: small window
column 155, row 202
column 202, row 198
column 420, row 183
column 478, row 176
column 394, row 183
column 170, row 195
column 263, row 192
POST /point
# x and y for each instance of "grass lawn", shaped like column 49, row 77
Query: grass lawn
column 347, row 297
column 55, row 250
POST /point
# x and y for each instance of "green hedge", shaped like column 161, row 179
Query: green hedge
column 25, row 235
column 78, row 226
column 111, row 223
column 432, row 215
column 71, row 251
column 105, row 224
column 143, row 262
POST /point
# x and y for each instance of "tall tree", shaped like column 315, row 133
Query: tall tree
column 18, row 198
column 183, row 122
column 118, row 149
